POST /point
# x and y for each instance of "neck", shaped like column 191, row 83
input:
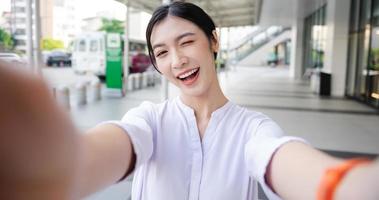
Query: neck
column 205, row 104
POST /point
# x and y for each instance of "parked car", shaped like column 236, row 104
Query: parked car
column 12, row 58
column 58, row 58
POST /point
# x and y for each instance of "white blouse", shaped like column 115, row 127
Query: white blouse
column 173, row 163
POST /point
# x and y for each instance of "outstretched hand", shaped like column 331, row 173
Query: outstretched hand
column 39, row 146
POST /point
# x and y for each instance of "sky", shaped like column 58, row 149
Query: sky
column 117, row 9
column 87, row 8
column 5, row 5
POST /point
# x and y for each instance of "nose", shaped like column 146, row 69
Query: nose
column 178, row 60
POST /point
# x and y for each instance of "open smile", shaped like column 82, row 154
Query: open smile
column 189, row 77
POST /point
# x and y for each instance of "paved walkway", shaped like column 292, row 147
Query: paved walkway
column 333, row 124
column 328, row 123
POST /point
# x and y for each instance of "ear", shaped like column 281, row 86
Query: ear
column 215, row 44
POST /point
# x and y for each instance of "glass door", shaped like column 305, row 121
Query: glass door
column 363, row 50
column 373, row 63
column 353, row 48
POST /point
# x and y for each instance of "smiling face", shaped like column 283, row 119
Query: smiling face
column 184, row 55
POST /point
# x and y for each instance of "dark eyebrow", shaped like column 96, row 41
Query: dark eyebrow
column 176, row 39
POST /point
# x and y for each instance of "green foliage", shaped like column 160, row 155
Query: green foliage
column 6, row 40
column 112, row 26
column 374, row 59
column 51, row 44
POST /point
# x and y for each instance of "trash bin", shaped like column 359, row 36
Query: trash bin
column 325, row 84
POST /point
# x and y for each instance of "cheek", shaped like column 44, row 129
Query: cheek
column 162, row 66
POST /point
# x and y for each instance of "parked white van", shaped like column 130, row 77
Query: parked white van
column 89, row 52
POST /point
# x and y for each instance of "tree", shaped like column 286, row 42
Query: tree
column 6, row 40
column 112, row 26
column 51, row 44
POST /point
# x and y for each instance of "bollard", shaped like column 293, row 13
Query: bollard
column 94, row 91
column 62, row 95
column 79, row 95
column 135, row 81
column 145, row 81
column 138, row 81
column 129, row 83
column 150, row 78
column 157, row 78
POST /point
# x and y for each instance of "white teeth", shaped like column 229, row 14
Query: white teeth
column 188, row 73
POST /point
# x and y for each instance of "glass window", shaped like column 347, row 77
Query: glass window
column 20, row 31
column 94, row 45
column 82, row 45
column 20, row 20
column 315, row 39
column 101, row 45
column 20, row 9
column 20, row 42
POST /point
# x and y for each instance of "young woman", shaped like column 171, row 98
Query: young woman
column 196, row 146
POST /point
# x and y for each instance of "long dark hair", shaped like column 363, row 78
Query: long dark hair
column 188, row 11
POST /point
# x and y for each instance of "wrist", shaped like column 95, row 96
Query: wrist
column 360, row 183
column 343, row 179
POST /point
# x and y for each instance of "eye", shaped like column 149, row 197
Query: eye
column 161, row 53
column 187, row 42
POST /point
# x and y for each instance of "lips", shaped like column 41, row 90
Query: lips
column 189, row 77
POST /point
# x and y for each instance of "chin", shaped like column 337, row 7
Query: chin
column 197, row 91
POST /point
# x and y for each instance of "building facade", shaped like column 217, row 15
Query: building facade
column 18, row 24
column 339, row 38
column 58, row 21
column 5, row 21
column 66, row 24
column 363, row 53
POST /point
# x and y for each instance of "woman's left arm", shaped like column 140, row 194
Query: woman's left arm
column 296, row 171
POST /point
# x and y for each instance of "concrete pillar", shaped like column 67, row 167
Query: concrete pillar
column 37, row 38
column 29, row 33
column 145, row 79
column 337, row 23
column 126, row 47
column 164, row 94
column 297, row 51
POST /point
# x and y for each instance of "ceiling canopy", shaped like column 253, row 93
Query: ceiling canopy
column 225, row 13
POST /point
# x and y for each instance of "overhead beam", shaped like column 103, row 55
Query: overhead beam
column 233, row 8
column 234, row 12
column 220, row 4
column 236, row 17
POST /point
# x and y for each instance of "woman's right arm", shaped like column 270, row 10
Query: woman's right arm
column 107, row 156
column 42, row 154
